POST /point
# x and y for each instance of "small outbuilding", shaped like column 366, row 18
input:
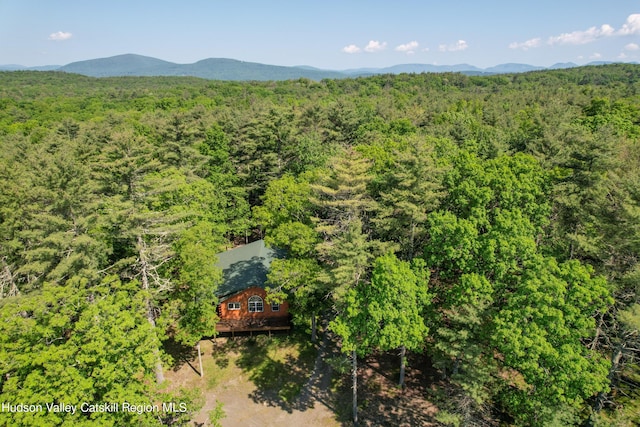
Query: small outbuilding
column 242, row 297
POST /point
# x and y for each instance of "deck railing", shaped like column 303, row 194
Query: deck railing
column 248, row 325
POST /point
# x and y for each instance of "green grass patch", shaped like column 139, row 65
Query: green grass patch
column 219, row 369
column 278, row 366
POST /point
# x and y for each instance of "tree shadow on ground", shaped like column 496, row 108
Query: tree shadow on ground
column 180, row 354
column 381, row 402
column 281, row 369
column 319, row 386
column 220, row 354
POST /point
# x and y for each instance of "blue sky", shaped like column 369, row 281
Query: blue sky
column 326, row 34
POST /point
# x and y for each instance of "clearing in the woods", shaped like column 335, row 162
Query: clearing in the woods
column 288, row 380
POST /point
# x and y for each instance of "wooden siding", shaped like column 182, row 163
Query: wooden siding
column 243, row 313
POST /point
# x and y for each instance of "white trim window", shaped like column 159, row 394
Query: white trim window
column 255, row 304
column 233, row 305
column 275, row 306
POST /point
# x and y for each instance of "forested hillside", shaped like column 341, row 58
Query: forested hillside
column 492, row 223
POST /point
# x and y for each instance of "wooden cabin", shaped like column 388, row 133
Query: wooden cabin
column 242, row 306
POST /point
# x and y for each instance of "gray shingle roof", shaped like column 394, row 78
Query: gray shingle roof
column 245, row 267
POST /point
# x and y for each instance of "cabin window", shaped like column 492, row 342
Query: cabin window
column 255, row 304
column 233, row 306
column 275, row 306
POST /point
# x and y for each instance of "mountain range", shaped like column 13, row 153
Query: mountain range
column 232, row 69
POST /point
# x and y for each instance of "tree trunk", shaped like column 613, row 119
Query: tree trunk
column 412, row 241
column 616, row 356
column 200, row 361
column 594, row 342
column 575, row 231
column 144, row 274
column 354, row 377
column 6, row 278
column 403, row 359
column 456, row 366
column 156, row 352
column 313, row 327
column 159, row 369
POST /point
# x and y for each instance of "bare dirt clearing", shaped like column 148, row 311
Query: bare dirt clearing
column 383, row 403
column 260, row 381
column 286, row 381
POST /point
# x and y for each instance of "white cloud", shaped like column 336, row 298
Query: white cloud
column 457, row 46
column 632, row 26
column 632, row 46
column 596, row 55
column 526, row 45
column 371, row 47
column 583, row 37
column 352, row 48
column 375, row 46
column 408, row 48
column 60, row 36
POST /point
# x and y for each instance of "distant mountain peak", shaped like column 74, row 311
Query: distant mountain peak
column 561, row 65
column 131, row 64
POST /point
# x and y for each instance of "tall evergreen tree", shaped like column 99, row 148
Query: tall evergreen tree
column 409, row 188
column 346, row 251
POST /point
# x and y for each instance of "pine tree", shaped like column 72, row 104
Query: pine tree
column 409, row 189
column 346, row 250
column 285, row 217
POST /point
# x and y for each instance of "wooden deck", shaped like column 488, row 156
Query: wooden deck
column 253, row 325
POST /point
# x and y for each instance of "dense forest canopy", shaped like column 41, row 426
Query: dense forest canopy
column 492, row 222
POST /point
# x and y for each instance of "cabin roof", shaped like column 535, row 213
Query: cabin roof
column 245, row 267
